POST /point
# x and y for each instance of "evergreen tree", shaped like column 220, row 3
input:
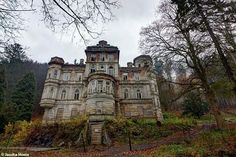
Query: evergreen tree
column 23, row 97
column 2, row 85
column 2, row 93
column 193, row 105
column 14, row 53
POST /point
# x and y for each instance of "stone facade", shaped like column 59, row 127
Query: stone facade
column 100, row 88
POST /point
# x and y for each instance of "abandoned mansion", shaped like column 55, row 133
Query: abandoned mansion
column 100, row 88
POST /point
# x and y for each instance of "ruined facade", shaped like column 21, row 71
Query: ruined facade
column 100, row 88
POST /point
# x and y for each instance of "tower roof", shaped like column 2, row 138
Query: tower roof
column 102, row 46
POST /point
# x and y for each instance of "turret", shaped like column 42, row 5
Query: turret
column 51, row 82
column 143, row 61
column 102, row 57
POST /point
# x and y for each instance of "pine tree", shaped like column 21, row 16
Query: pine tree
column 2, row 93
column 23, row 97
column 14, row 53
column 2, row 85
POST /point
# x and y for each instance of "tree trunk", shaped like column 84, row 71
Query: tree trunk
column 224, row 61
column 214, row 108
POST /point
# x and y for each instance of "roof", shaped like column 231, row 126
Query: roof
column 143, row 56
column 102, row 46
column 56, row 60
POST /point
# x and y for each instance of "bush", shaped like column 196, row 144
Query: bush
column 194, row 106
column 16, row 133
column 37, row 134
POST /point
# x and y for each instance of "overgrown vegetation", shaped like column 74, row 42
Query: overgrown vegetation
column 193, row 105
column 208, row 143
column 21, row 85
column 143, row 129
column 63, row 134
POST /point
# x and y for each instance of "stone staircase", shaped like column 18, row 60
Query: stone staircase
column 96, row 130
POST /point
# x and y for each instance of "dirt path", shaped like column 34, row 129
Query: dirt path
column 120, row 151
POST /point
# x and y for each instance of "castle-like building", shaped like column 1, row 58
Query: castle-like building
column 100, row 88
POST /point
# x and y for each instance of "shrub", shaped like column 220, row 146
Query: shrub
column 194, row 106
column 16, row 133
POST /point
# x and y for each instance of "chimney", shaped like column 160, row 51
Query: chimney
column 81, row 61
column 129, row 64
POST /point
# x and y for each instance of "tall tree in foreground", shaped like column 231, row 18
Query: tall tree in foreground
column 23, row 97
column 201, row 15
column 171, row 37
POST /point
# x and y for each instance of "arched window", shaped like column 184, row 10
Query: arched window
column 63, row 94
column 126, row 94
column 111, row 71
column 51, row 92
column 139, row 94
column 92, row 70
column 76, row 97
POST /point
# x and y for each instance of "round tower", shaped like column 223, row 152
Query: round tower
column 143, row 61
column 100, row 102
column 51, row 85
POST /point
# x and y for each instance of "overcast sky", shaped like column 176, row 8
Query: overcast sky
column 122, row 32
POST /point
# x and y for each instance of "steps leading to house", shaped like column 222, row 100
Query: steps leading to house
column 96, row 136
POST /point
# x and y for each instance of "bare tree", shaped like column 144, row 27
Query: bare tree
column 170, row 37
column 202, row 15
column 79, row 16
